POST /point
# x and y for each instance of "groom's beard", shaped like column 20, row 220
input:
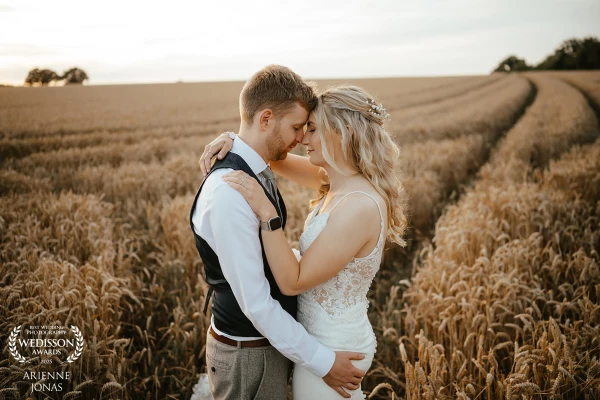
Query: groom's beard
column 276, row 146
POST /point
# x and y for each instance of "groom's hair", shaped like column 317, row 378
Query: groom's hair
column 278, row 88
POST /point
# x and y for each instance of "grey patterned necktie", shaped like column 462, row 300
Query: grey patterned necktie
column 271, row 185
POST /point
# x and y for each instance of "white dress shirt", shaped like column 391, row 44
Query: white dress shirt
column 225, row 220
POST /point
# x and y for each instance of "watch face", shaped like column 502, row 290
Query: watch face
column 275, row 223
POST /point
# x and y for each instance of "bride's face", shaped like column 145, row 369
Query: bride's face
column 312, row 141
column 314, row 146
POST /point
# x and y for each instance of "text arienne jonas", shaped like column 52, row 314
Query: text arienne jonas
column 47, row 375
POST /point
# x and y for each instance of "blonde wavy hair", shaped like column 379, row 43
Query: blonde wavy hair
column 366, row 145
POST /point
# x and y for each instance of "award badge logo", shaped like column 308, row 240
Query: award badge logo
column 48, row 350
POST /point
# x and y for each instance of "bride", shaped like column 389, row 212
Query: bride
column 353, row 162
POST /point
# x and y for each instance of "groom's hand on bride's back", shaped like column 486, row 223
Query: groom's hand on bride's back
column 344, row 374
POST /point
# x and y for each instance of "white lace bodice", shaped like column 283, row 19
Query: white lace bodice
column 343, row 298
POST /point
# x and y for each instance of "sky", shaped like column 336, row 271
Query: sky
column 130, row 41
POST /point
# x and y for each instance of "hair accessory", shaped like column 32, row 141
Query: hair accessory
column 377, row 109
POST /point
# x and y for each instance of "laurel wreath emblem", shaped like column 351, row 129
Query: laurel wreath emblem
column 79, row 345
column 12, row 345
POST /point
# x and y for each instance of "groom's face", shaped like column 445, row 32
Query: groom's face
column 287, row 133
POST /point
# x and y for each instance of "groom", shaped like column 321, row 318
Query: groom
column 254, row 336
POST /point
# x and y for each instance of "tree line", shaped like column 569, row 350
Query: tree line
column 44, row 77
column 572, row 54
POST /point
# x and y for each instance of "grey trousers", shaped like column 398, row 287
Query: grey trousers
column 252, row 373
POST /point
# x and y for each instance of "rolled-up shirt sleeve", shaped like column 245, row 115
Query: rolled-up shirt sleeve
column 235, row 233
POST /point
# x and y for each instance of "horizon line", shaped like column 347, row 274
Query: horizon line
column 11, row 84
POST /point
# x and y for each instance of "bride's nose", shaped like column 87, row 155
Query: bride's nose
column 305, row 139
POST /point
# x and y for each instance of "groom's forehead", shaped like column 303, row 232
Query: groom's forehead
column 299, row 115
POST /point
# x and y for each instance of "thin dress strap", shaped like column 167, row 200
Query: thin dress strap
column 358, row 191
column 318, row 208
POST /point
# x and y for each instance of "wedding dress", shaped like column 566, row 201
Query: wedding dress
column 335, row 312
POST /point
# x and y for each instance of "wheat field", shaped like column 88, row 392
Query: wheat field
column 497, row 295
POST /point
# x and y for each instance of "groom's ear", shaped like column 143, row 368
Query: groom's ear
column 263, row 119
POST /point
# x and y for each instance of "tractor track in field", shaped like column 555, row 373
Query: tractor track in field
column 386, row 287
column 113, row 130
column 455, row 196
column 595, row 105
column 401, row 263
column 473, row 88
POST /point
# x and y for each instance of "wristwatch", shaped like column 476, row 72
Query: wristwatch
column 271, row 225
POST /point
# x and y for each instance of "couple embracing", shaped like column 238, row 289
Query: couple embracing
column 278, row 311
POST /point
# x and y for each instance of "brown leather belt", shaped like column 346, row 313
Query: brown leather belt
column 244, row 343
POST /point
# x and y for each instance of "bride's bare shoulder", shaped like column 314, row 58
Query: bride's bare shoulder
column 364, row 204
column 370, row 190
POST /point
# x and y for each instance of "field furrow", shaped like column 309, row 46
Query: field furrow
column 589, row 87
column 490, row 109
column 19, row 148
column 440, row 93
column 559, row 118
column 61, row 165
column 501, row 295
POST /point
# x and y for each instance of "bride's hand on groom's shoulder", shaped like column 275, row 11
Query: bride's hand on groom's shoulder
column 253, row 192
column 344, row 374
column 217, row 148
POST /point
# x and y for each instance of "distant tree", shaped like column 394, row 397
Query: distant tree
column 32, row 77
column 47, row 76
column 75, row 76
column 512, row 64
column 574, row 54
column 570, row 55
column 41, row 76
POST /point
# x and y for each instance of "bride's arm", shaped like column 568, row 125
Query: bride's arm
column 299, row 170
column 295, row 168
column 327, row 255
